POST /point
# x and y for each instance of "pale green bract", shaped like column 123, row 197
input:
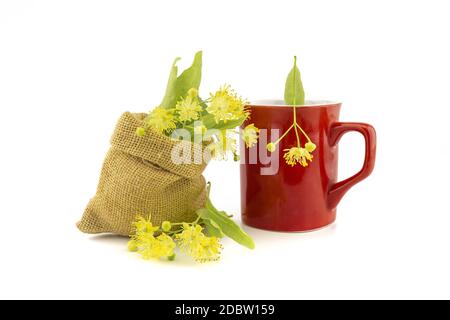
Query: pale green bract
column 178, row 86
column 293, row 92
column 219, row 222
column 170, row 97
column 190, row 78
column 228, row 227
column 212, row 227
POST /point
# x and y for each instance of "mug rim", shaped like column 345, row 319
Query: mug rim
column 281, row 104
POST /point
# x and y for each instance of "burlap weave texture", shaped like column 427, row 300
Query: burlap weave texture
column 139, row 177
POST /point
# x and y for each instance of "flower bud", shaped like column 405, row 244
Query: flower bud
column 140, row 132
column 166, row 226
column 132, row 246
column 172, row 257
column 310, row 147
column 271, row 147
column 193, row 93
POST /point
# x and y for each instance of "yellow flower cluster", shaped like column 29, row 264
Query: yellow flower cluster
column 188, row 108
column 143, row 226
column 299, row 155
column 225, row 142
column 153, row 242
column 193, row 242
column 147, row 244
column 161, row 120
column 226, row 105
column 213, row 114
column 250, row 135
column 155, row 247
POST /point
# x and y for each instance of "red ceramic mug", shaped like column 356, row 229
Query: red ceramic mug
column 298, row 198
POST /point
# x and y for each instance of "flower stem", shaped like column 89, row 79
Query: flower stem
column 304, row 133
column 181, row 223
column 296, row 125
column 294, row 107
column 284, row 135
column 174, row 232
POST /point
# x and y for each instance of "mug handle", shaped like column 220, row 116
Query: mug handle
column 338, row 129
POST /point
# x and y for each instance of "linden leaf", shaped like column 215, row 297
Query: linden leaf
column 170, row 97
column 210, row 123
column 293, row 92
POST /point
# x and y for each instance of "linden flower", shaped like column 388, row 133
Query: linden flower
column 160, row 247
column 250, row 135
column 226, row 105
column 216, row 151
column 229, row 143
column 147, row 245
column 163, row 246
column 200, row 129
column 193, row 242
column 143, row 225
column 225, row 143
column 297, row 155
column 161, row 119
column 188, row 108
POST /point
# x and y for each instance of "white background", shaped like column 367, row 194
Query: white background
column 68, row 69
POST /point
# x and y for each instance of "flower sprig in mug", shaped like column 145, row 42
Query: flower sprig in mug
column 294, row 95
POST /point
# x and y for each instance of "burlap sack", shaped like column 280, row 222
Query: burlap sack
column 139, row 177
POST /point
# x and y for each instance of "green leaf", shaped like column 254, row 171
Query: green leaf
column 170, row 97
column 212, row 228
column 228, row 227
column 190, row 78
column 293, row 91
column 210, row 123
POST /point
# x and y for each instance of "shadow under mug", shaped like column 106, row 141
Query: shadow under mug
column 298, row 198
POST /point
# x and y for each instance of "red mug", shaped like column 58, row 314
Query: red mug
column 298, row 198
